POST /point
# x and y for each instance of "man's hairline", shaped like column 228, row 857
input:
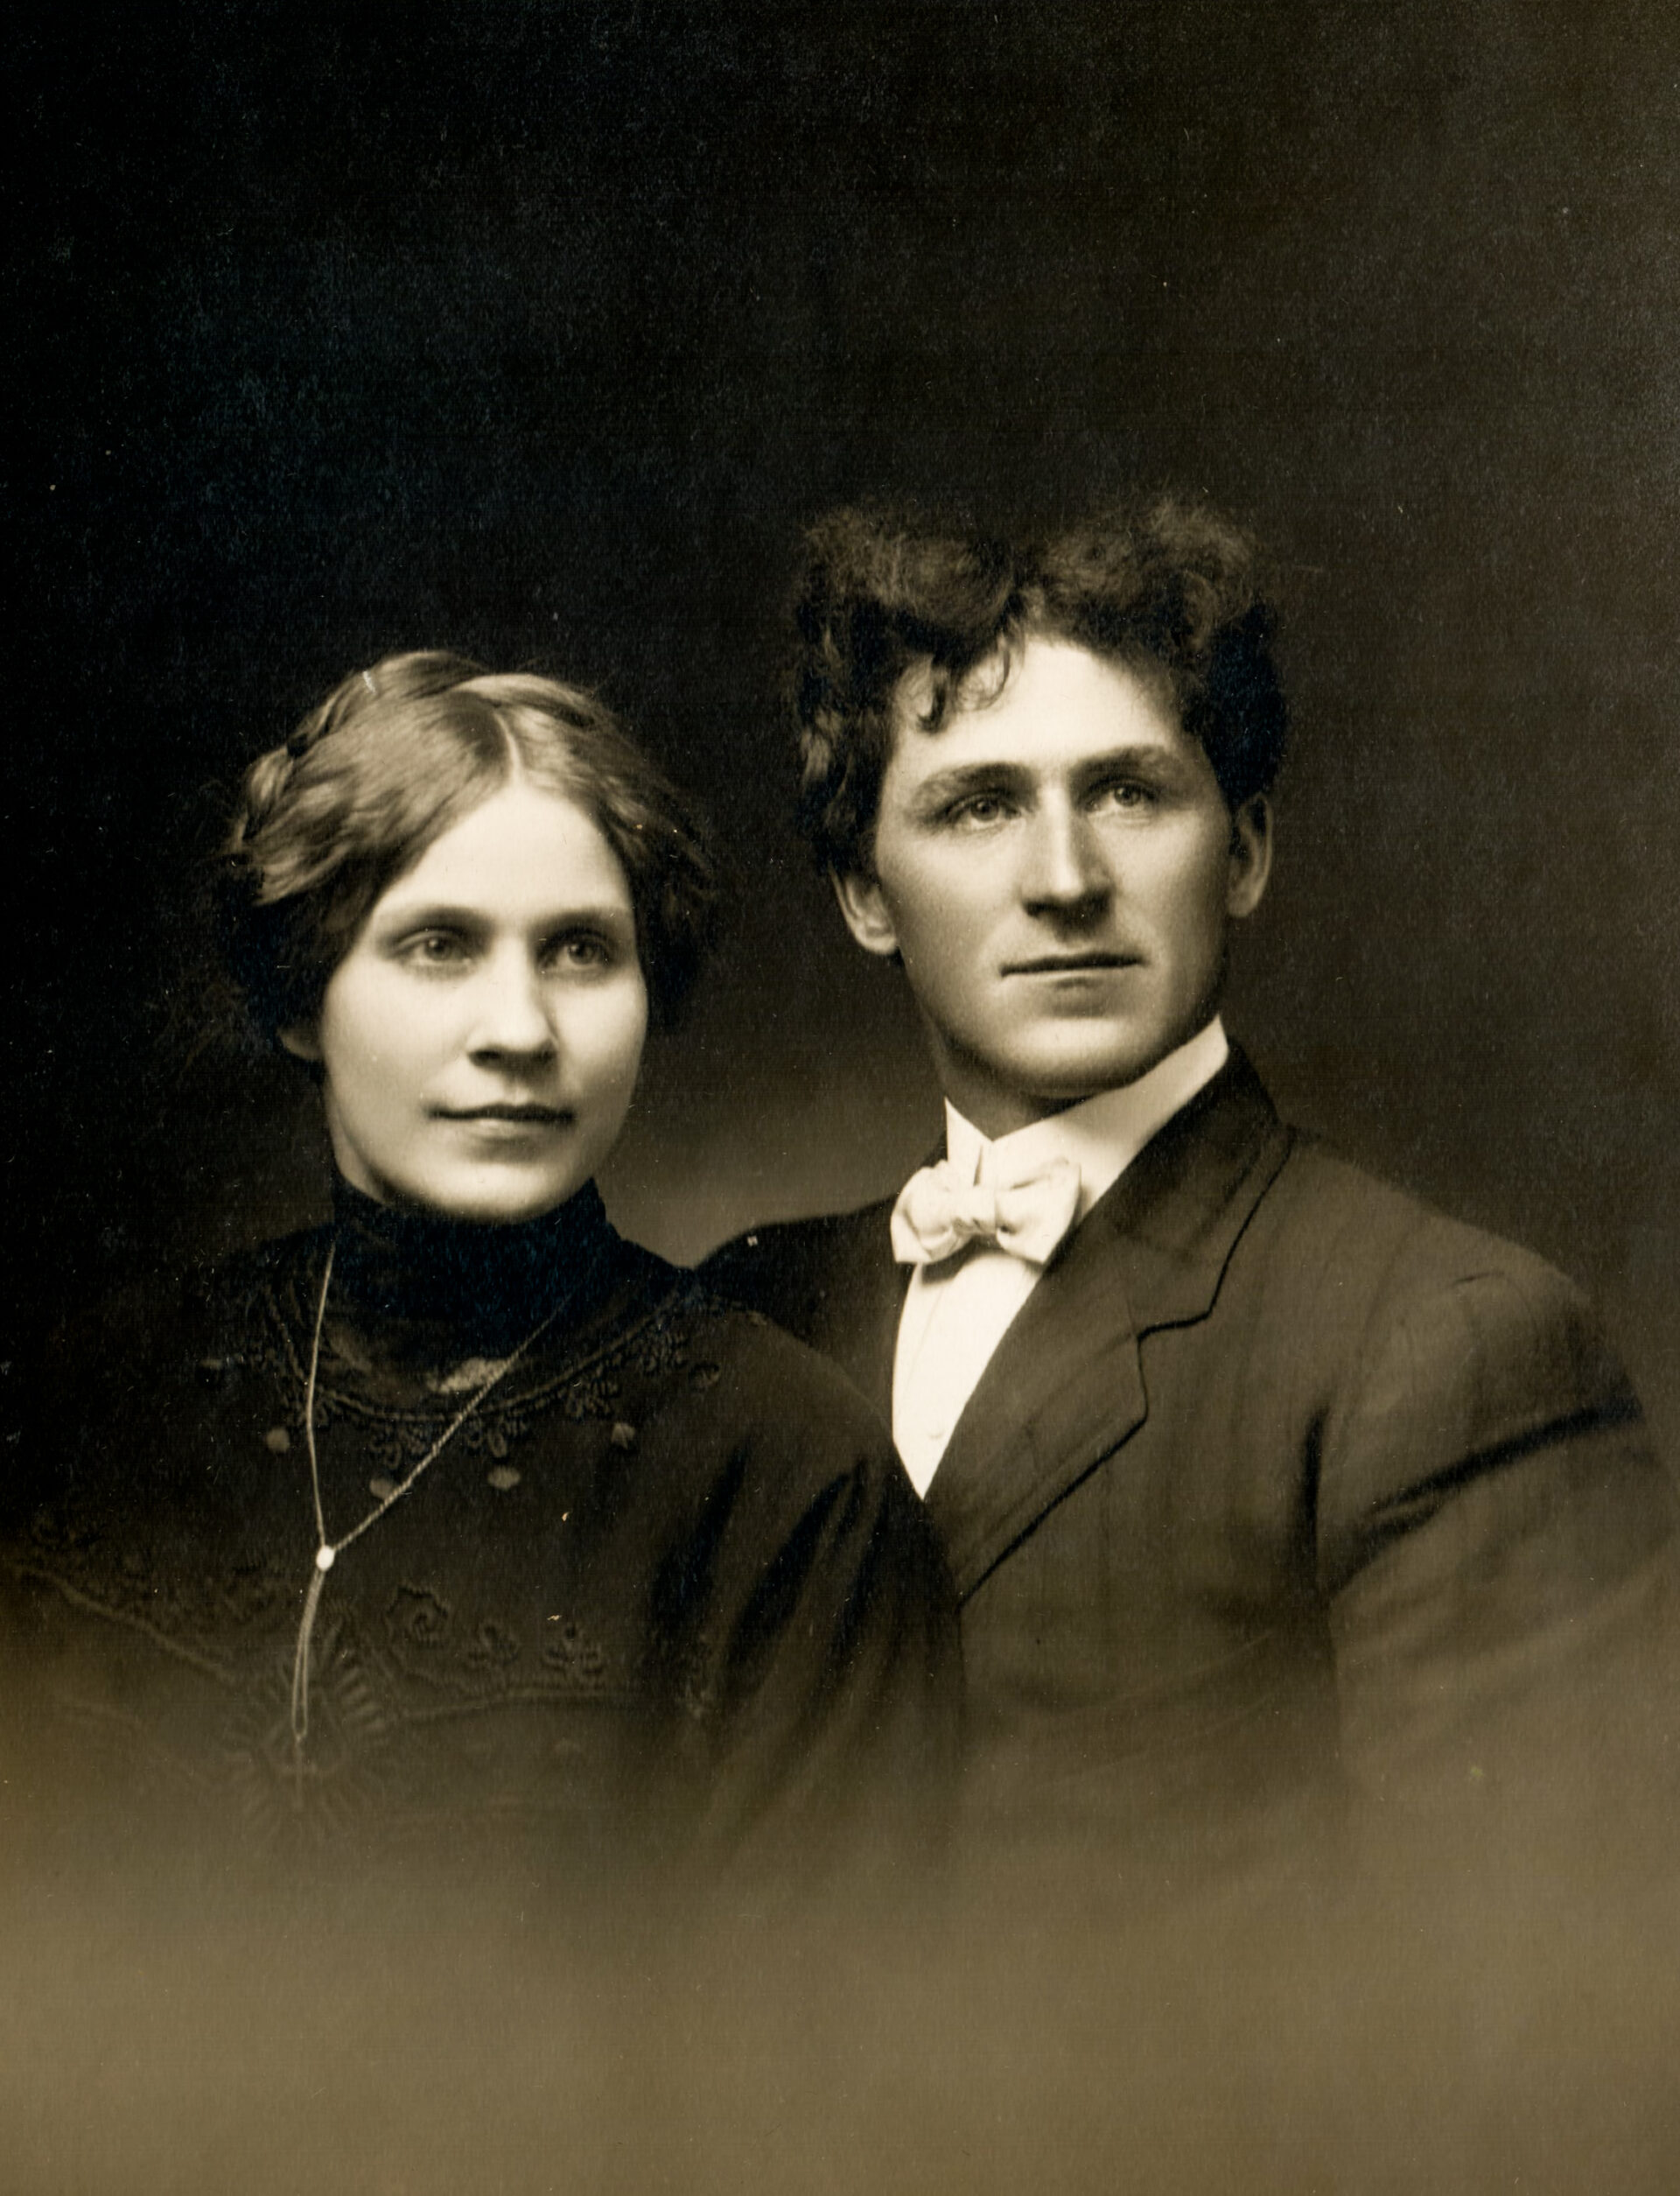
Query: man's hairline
column 896, row 716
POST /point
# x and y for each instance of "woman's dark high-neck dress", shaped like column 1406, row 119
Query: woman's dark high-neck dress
column 665, row 1589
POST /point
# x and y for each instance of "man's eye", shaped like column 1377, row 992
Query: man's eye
column 1126, row 793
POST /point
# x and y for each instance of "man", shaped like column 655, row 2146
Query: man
column 1262, row 1483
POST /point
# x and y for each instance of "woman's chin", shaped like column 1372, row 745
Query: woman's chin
column 488, row 1197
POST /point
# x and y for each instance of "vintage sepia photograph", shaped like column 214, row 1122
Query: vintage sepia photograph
column 844, row 1283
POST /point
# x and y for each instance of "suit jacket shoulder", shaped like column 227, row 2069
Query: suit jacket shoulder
column 1422, row 1352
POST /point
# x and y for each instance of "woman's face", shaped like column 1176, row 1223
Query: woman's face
column 479, row 1041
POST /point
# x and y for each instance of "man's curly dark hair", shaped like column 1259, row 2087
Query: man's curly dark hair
column 1169, row 592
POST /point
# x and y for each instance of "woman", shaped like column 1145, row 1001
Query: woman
column 461, row 1508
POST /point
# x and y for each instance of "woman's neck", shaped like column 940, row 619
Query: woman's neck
column 480, row 1287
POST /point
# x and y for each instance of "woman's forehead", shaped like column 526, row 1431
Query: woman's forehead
column 522, row 851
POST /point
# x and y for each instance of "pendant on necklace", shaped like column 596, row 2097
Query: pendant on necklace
column 385, row 1493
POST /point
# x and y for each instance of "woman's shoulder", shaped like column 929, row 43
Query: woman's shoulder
column 181, row 1319
column 777, row 1438
column 242, row 1309
column 792, row 1407
column 737, row 1337
column 671, row 1322
column 793, row 1380
column 251, row 1272
column 138, row 1370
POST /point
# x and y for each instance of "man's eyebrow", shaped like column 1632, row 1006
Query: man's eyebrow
column 971, row 777
column 1002, row 773
column 1137, row 754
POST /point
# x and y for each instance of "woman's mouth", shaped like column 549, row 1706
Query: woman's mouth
column 526, row 1115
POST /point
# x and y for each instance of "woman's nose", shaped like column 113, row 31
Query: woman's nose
column 513, row 1008
column 1065, row 864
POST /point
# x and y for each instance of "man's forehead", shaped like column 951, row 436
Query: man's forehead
column 1045, row 701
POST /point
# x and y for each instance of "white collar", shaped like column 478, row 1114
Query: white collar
column 1101, row 1135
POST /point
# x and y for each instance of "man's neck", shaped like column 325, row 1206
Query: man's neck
column 997, row 1109
column 1103, row 1133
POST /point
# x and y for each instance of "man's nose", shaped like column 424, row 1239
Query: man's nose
column 1065, row 867
column 513, row 1007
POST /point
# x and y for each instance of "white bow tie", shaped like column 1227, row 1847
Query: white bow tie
column 937, row 1213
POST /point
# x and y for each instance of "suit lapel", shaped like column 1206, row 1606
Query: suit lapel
column 1064, row 1388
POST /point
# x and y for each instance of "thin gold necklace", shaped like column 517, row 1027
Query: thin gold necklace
column 328, row 1551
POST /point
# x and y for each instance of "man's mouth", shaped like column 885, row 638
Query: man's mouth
column 1068, row 964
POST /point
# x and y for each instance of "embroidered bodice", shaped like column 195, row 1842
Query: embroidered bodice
column 666, row 1540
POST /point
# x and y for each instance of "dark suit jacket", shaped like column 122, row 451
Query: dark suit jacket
column 1282, row 1489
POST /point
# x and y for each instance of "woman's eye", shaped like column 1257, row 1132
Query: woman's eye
column 586, row 951
column 978, row 811
column 435, row 949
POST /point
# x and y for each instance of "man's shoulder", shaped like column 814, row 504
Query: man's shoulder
column 1339, row 1273
column 1362, row 1228
column 1311, row 1199
column 795, row 1271
column 1412, row 1315
column 813, row 1246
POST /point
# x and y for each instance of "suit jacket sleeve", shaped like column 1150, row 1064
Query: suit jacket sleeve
column 1494, row 1543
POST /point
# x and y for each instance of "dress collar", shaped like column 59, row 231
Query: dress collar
column 489, row 1284
column 1101, row 1135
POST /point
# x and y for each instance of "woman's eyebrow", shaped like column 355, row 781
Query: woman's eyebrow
column 610, row 913
column 423, row 914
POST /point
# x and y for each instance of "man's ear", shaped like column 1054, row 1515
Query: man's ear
column 302, row 1041
column 863, row 905
column 1250, row 856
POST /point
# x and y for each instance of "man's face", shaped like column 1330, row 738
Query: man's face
column 1058, row 868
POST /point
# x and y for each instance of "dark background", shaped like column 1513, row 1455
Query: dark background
column 541, row 330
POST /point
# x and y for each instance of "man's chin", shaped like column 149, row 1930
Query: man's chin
column 1067, row 1076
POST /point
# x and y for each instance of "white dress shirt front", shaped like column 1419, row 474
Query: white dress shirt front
column 956, row 1312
